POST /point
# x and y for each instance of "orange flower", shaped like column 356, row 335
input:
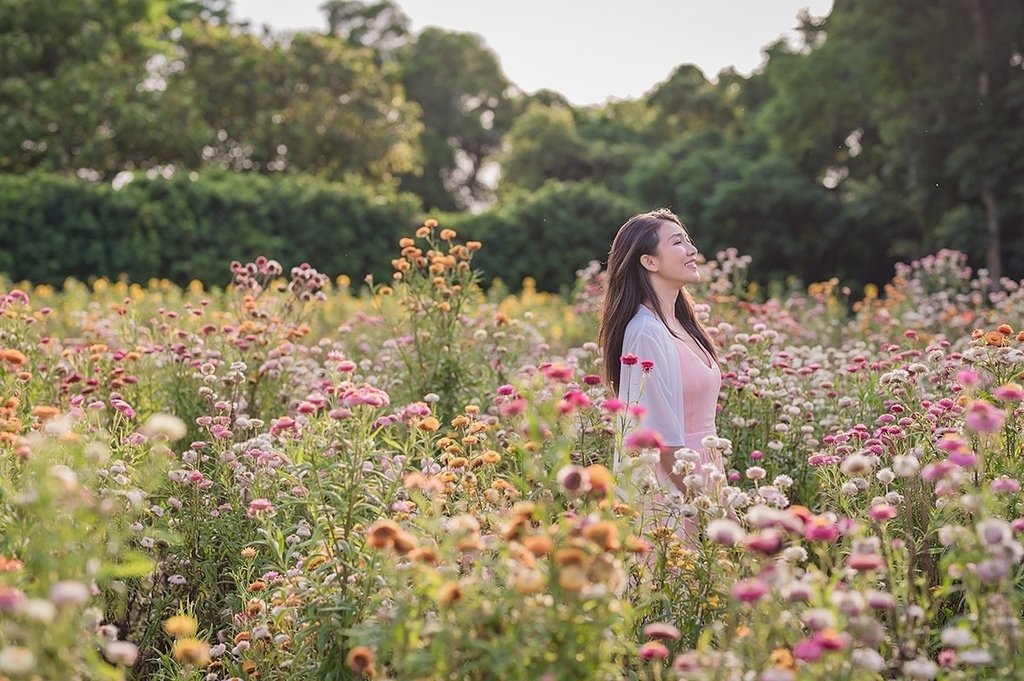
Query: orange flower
column 44, row 411
column 429, row 424
column 603, row 533
column 360, row 660
column 600, row 480
column 258, row 585
column 12, row 356
column 405, row 242
column 382, row 533
column 448, row 234
column 994, row 338
column 474, row 245
column 538, row 544
column 430, row 223
column 449, row 593
column 782, row 658
column 1005, row 329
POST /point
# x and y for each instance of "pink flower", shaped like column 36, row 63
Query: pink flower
column 613, row 405
column 512, row 407
column 809, row 650
column 768, row 542
column 346, row 366
column 339, row 413
column 882, row 512
column 647, row 366
column 1005, row 484
column 558, row 372
column 629, row 360
column 936, row 470
column 967, row 378
column 653, row 650
column 592, row 379
column 506, row 390
column 662, row 631
column 964, row 458
column 577, row 398
column 947, row 657
column 984, row 418
column 283, row 425
column 749, row 590
column 820, row 528
column 644, row 438
column 259, row 507
column 1011, row 392
column 864, row 561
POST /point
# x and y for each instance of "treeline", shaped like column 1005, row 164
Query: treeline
column 157, row 138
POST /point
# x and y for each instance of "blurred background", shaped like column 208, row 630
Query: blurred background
column 164, row 138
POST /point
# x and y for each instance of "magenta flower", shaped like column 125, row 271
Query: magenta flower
column 820, row 528
column 647, row 366
column 629, row 360
column 809, row 650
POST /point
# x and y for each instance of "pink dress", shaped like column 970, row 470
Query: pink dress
column 702, row 380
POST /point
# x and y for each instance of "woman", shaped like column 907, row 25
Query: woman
column 648, row 314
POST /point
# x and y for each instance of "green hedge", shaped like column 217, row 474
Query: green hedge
column 548, row 234
column 192, row 226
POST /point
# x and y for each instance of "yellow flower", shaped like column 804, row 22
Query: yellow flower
column 180, row 626
column 191, row 651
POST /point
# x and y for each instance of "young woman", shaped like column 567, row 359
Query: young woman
column 648, row 314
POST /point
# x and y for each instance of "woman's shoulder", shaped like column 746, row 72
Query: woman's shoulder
column 645, row 322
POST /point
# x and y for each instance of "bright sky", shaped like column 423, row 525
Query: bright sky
column 588, row 50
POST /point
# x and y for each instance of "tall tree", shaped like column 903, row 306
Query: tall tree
column 467, row 108
column 73, row 74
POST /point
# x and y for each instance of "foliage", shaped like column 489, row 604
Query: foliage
column 182, row 228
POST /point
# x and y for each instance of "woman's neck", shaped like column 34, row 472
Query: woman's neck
column 666, row 295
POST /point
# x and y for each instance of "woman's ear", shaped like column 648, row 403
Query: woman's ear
column 648, row 263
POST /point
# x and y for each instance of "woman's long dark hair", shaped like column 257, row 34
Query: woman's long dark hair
column 628, row 286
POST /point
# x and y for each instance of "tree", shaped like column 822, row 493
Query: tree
column 466, row 110
column 306, row 102
column 73, row 77
column 544, row 144
column 381, row 26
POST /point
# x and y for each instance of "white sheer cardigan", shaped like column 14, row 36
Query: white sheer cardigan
column 660, row 392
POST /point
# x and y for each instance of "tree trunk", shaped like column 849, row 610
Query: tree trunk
column 993, row 228
column 994, row 255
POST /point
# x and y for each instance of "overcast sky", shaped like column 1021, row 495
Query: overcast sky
column 588, row 50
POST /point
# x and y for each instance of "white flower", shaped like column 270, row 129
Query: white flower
column 756, row 473
column 725, row 532
column 976, row 657
column 885, row 476
column 905, row 465
column 857, row 464
column 958, row 637
column 867, row 658
column 165, row 425
column 17, row 660
column 783, row 481
column 69, row 592
column 122, row 653
column 920, row 668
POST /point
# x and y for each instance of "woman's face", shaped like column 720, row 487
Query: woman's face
column 675, row 258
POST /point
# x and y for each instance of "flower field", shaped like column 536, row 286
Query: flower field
column 300, row 478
